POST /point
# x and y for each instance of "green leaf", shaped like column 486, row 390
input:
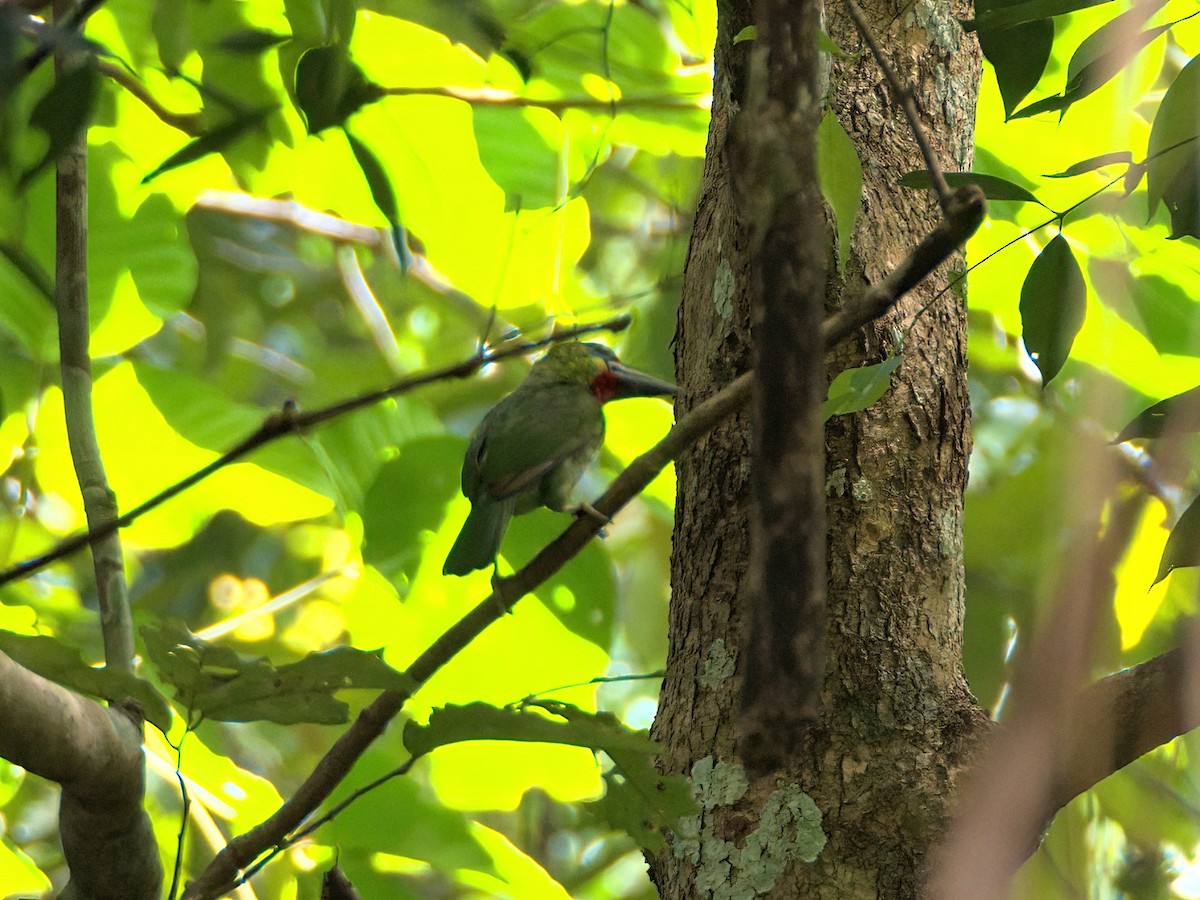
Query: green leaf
column 993, row 187
column 1029, row 11
column 1183, row 546
column 856, row 389
column 1053, row 303
column 643, row 802
column 749, row 33
column 1019, row 55
column 61, row 114
column 214, row 141
column 840, row 174
column 542, row 721
column 330, row 87
column 517, row 156
column 215, row 682
column 251, row 41
column 404, row 818
column 408, row 496
column 1173, row 153
column 64, row 665
column 1182, row 412
column 1117, row 157
column 1100, row 57
column 377, row 179
column 826, row 45
column 383, row 195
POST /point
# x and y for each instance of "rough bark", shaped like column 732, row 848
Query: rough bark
column 897, row 721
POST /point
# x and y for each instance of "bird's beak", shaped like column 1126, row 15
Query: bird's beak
column 632, row 383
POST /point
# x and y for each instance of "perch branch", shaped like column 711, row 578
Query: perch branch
column 289, row 421
column 241, row 852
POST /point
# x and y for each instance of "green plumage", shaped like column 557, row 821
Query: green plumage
column 533, row 446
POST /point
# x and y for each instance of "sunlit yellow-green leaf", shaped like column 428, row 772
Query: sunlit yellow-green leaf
column 1135, row 607
column 227, row 791
column 633, row 427
column 519, row 875
column 143, row 454
column 18, row 873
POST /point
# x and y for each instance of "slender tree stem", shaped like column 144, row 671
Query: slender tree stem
column 99, row 502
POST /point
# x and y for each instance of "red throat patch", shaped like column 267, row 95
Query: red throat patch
column 604, row 386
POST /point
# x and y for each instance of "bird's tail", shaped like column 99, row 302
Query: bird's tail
column 479, row 541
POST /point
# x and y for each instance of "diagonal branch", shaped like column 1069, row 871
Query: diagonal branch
column 241, row 852
column 289, row 421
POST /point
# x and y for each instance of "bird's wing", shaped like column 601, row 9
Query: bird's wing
column 527, row 434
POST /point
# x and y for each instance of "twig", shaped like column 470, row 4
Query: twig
column 222, row 873
column 99, row 502
column 289, row 421
column 963, row 216
column 188, row 123
column 489, row 96
column 72, row 22
column 904, row 97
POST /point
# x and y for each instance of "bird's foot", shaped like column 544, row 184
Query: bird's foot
column 586, row 509
column 498, row 593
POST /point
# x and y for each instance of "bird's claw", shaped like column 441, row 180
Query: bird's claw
column 498, row 593
column 586, row 509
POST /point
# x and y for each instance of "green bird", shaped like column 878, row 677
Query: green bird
column 533, row 445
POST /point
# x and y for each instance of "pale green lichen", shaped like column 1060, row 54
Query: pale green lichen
column 718, row 666
column 723, row 290
column 789, row 828
column 835, row 482
column 863, row 490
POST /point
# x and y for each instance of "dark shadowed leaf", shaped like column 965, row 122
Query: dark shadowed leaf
column 856, row 389
column 409, row 495
column 1029, row 11
column 1096, row 162
column 214, row 141
column 61, row 114
column 1181, row 412
column 217, row 683
column 641, row 801
column 840, row 174
column 1019, row 55
column 251, row 41
column 550, row 723
column 993, row 187
column 405, row 818
column 63, row 665
column 1183, row 546
column 1173, row 157
column 1100, row 57
column 330, row 87
column 1053, row 303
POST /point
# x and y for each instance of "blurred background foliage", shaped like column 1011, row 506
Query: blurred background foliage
column 480, row 169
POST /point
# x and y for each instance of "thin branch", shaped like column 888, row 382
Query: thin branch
column 57, row 34
column 489, row 96
column 95, row 754
column 188, row 123
column 99, row 502
column 963, row 216
column 222, row 873
column 904, row 96
column 290, row 421
column 291, row 213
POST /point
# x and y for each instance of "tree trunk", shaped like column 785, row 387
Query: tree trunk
column 897, row 721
